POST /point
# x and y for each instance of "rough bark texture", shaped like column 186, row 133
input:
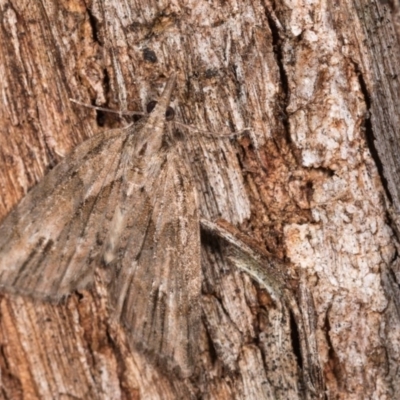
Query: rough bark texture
column 317, row 83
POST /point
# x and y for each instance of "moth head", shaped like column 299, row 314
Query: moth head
column 169, row 113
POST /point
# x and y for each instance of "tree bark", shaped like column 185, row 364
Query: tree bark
column 311, row 180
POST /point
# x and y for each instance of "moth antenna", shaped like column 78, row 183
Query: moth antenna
column 211, row 134
column 127, row 113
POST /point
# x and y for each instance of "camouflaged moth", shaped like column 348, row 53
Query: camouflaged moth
column 124, row 203
column 121, row 201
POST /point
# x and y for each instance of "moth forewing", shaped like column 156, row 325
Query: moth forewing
column 123, row 202
column 50, row 228
column 161, row 304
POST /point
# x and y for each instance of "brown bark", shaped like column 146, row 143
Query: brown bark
column 318, row 86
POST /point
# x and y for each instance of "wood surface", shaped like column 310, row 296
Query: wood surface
column 314, row 180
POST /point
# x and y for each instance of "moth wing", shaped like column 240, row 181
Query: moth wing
column 157, row 287
column 48, row 241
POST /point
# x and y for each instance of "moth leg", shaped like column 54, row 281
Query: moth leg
column 272, row 275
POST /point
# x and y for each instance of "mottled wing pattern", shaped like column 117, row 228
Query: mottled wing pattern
column 47, row 243
column 122, row 201
column 157, row 286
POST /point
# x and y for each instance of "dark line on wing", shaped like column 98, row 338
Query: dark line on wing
column 25, row 265
column 131, row 241
column 97, row 198
column 124, row 307
column 158, row 314
column 157, row 322
column 25, row 269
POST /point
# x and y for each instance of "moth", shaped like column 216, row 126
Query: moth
column 122, row 202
